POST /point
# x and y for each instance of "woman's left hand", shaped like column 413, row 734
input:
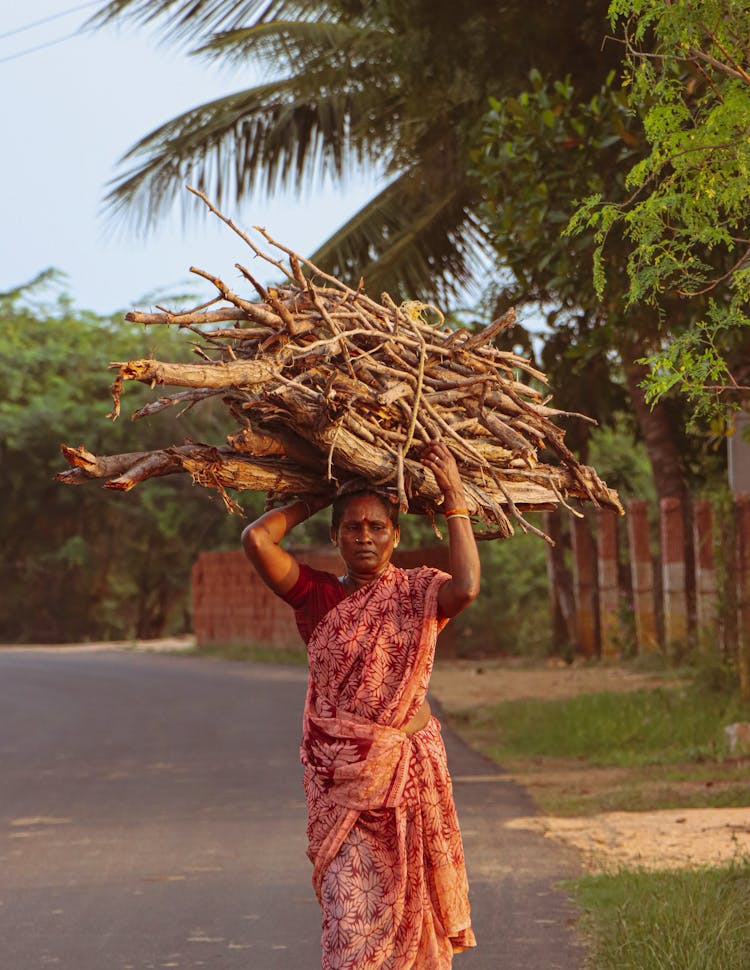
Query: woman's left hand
column 465, row 569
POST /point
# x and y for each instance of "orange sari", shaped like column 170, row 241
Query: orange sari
column 388, row 863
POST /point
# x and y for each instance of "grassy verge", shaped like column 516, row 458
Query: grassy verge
column 667, row 920
column 250, row 651
column 636, row 751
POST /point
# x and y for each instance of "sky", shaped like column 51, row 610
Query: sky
column 68, row 112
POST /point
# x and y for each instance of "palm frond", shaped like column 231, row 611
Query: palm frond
column 285, row 41
column 273, row 136
column 408, row 241
column 185, row 20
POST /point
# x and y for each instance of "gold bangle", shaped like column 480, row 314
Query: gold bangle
column 449, row 512
column 458, row 515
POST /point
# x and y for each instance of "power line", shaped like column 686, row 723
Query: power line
column 46, row 20
column 39, row 47
column 40, row 23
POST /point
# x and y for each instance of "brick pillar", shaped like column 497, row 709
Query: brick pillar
column 642, row 574
column 674, row 574
column 705, row 573
column 584, row 581
column 742, row 572
column 609, row 586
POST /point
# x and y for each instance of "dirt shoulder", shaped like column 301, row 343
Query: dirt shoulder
column 664, row 839
column 460, row 684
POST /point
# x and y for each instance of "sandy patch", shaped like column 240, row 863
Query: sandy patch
column 667, row 839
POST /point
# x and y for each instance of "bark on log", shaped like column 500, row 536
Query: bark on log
column 221, row 374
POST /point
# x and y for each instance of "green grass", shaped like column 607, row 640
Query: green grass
column 250, row 651
column 697, row 920
column 644, row 727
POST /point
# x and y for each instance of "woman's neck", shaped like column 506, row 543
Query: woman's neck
column 352, row 581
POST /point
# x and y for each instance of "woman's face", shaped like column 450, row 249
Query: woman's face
column 365, row 536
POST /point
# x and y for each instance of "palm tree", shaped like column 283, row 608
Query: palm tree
column 401, row 84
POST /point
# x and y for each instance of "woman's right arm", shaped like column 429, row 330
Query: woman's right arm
column 261, row 539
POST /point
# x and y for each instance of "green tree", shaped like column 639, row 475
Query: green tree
column 81, row 563
column 539, row 152
column 683, row 211
column 401, row 85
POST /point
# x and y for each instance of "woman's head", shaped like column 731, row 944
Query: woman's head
column 365, row 528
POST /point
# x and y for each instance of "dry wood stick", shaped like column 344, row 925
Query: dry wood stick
column 332, row 326
column 464, row 445
column 417, row 392
column 153, row 465
column 101, row 466
column 216, row 374
column 273, row 301
column 185, row 317
column 561, row 500
column 526, row 526
column 403, row 501
column 504, row 322
column 257, row 286
column 525, row 426
column 251, row 309
column 183, row 397
column 235, row 228
column 337, row 284
column 242, row 334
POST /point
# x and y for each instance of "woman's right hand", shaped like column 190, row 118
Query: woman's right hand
column 440, row 460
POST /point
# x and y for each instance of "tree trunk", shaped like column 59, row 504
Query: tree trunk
column 655, row 426
column 663, row 452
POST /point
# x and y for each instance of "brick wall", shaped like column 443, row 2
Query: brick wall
column 232, row 605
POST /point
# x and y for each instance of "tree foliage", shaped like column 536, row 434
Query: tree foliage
column 79, row 563
column 684, row 211
column 539, row 150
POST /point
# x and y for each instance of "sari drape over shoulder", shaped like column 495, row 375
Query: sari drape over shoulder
column 388, row 864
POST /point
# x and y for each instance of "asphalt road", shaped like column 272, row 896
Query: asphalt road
column 151, row 815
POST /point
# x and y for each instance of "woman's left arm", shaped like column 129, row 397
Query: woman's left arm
column 463, row 586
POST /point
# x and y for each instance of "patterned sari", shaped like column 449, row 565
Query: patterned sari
column 388, row 864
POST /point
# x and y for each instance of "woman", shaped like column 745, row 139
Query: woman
column 388, row 865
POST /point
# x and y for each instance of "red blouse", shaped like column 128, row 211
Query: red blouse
column 312, row 596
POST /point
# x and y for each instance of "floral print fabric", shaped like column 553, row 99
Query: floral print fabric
column 383, row 833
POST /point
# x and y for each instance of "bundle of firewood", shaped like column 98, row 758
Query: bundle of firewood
column 324, row 384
